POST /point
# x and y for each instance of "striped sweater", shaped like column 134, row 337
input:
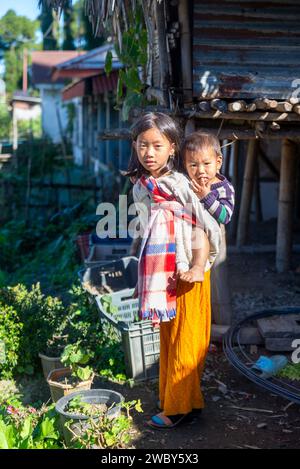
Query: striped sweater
column 220, row 200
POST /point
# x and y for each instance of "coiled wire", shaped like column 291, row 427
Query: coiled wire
column 231, row 343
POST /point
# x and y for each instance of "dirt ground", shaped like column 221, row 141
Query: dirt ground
column 238, row 413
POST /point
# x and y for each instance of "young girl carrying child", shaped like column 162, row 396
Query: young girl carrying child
column 182, row 308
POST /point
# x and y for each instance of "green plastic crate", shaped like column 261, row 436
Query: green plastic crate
column 140, row 339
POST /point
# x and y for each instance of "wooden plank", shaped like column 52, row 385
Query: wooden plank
column 279, row 344
column 247, row 192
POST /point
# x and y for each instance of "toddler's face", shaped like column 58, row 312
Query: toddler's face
column 203, row 165
column 153, row 150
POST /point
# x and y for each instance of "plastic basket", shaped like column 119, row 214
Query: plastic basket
column 126, row 307
column 140, row 340
column 117, row 275
column 106, row 252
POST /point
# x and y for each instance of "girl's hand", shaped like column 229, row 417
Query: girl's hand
column 201, row 188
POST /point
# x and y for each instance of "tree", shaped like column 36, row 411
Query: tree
column 48, row 27
column 83, row 30
column 16, row 33
column 16, row 30
column 68, row 43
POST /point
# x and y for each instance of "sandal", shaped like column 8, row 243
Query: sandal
column 163, row 422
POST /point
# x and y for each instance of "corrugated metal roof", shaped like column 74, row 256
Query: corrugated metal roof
column 93, row 85
column 103, row 83
column 75, row 90
column 44, row 61
column 246, row 49
column 94, row 59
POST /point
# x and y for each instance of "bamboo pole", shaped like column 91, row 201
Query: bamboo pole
column 247, row 192
column 285, row 206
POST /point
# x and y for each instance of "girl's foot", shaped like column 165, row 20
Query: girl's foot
column 164, row 422
column 195, row 274
column 194, row 412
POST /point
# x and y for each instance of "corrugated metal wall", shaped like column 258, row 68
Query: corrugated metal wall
column 244, row 49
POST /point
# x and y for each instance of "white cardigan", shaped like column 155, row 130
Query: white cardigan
column 178, row 184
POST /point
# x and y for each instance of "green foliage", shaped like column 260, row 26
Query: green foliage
column 73, row 356
column 10, row 339
column 37, row 316
column 28, row 428
column 68, row 43
column 133, row 55
column 103, row 432
column 31, row 127
column 48, row 25
column 291, row 371
column 16, row 33
column 15, row 30
column 5, row 122
column 79, row 407
column 32, row 322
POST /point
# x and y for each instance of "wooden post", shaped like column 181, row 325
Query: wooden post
column 162, row 46
column 235, row 183
column 247, row 192
column 285, row 206
column 220, row 289
column 258, row 205
column 186, row 53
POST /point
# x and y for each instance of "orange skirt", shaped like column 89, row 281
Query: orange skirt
column 184, row 343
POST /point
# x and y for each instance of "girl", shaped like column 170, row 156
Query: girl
column 183, row 309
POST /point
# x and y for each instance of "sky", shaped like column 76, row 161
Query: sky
column 27, row 8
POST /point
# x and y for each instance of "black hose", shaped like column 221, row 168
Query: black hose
column 270, row 384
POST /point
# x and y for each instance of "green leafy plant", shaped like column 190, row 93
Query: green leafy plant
column 73, row 357
column 10, row 340
column 291, row 371
column 29, row 428
column 77, row 406
column 107, row 303
column 38, row 316
column 133, row 55
column 103, row 432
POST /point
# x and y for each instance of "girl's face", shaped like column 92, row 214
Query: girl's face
column 153, row 150
column 203, row 165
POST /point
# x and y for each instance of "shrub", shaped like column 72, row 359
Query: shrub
column 10, row 340
column 38, row 316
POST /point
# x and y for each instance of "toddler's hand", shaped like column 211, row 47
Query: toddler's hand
column 200, row 188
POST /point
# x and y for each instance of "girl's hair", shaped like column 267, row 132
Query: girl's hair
column 201, row 140
column 167, row 127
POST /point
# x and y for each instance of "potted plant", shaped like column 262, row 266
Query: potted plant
column 50, row 358
column 74, row 376
column 93, row 418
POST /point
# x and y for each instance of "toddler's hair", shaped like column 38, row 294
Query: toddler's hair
column 168, row 127
column 201, row 140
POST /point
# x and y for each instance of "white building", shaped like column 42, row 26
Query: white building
column 54, row 111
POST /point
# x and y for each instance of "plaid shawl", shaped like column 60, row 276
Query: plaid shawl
column 157, row 264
